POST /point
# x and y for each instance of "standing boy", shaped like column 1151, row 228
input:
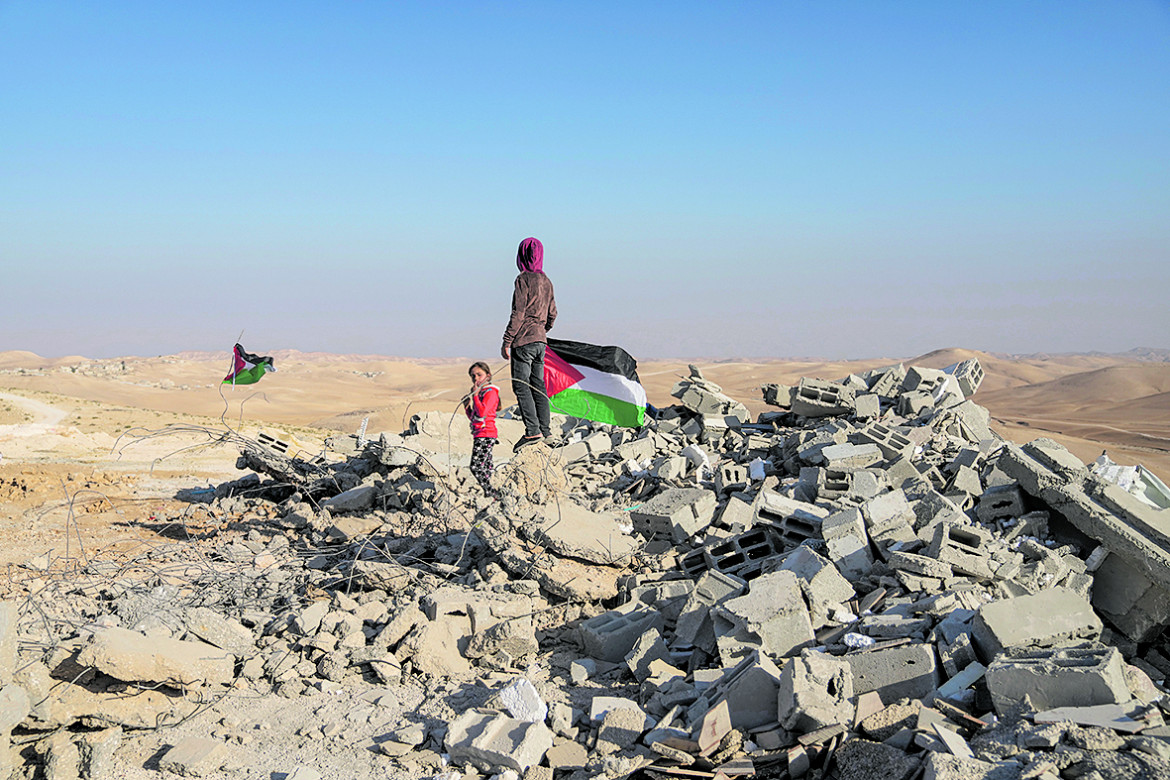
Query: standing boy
column 533, row 312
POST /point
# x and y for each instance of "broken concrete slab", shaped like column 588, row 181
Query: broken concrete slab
column 133, row 657
column 903, row 672
column 492, row 742
column 195, row 757
column 1072, row 677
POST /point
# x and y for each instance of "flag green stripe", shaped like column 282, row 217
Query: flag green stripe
column 248, row 376
column 575, row 402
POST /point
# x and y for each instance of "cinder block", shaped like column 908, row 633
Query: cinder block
column 849, row 457
column 889, row 518
column 999, row 502
column 819, row 398
column 611, row 635
column 815, row 691
column 867, row 406
column 750, row 690
column 892, row 443
column 822, row 584
column 903, row 672
column 676, row 514
column 923, row 380
column 742, row 556
column 1072, row 677
column 1051, row 618
column 731, row 476
column 694, row 626
column 964, row 548
column 885, row 382
column 794, row 520
column 969, row 375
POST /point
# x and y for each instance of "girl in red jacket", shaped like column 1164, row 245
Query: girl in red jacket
column 481, row 405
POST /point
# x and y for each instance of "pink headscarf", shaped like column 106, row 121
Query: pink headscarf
column 530, row 256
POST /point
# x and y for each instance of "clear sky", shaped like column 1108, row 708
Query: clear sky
column 720, row 179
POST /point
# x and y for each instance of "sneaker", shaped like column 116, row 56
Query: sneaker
column 524, row 441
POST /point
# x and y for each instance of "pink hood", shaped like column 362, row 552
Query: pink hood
column 530, row 256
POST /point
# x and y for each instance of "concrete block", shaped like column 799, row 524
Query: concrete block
column 823, row 586
column 912, row 404
column 750, row 689
column 819, row 398
column 885, row 382
column 648, row 648
column 612, row 635
column 737, row 513
column 795, row 520
column 1131, row 601
column 132, row 657
column 694, row 626
column 969, row 375
column 638, row 449
column 731, row 476
column 903, row 672
column 492, row 742
column 923, row 380
column 889, row 518
column 771, row 616
column 893, row 444
column 742, row 556
column 964, row 548
column 676, row 514
column 847, row 456
column 1051, row 618
column 620, row 729
column 851, row 555
column 815, row 691
column 999, row 502
column 778, row 395
column 194, row 757
column 867, row 406
column 1072, row 677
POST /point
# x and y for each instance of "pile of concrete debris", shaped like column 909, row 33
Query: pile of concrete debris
column 866, row 582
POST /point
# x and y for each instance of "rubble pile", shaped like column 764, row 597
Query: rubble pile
column 865, row 582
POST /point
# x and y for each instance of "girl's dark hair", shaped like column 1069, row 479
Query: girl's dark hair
column 482, row 366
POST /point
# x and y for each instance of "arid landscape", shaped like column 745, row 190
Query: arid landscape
column 103, row 446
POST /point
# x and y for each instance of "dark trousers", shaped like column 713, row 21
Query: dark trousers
column 528, row 385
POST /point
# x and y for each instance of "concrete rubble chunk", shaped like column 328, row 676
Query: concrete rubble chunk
column 215, row 629
column 492, row 742
column 861, row 759
column 574, row 531
column 772, row 617
column 132, row 657
column 823, row 586
column 194, row 757
column 751, row 690
column 522, row 701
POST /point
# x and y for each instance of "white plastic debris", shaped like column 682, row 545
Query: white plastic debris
column 858, row 640
column 756, row 470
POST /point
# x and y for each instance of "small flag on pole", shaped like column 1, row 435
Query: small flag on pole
column 247, row 368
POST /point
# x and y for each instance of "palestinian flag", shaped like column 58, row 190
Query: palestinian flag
column 247, row 368
column 594, row 383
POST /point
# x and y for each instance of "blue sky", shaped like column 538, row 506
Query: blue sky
column 832, row 179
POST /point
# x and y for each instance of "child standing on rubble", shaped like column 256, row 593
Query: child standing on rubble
column 534, row 310
column 480, row 405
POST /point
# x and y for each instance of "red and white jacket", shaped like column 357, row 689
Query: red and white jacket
column 481, row 409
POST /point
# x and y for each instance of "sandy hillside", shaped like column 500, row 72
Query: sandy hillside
column 100, row 447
